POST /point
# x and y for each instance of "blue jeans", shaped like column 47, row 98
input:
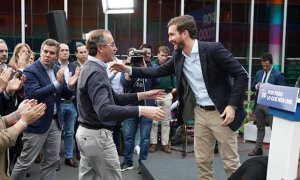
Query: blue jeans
column 68, row 119
column 130, row 128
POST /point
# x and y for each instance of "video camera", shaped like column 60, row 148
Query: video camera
column 137, row 57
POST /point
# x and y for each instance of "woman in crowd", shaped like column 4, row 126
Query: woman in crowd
column 21, row 56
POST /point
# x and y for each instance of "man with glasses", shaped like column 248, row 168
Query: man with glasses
column 99, row 107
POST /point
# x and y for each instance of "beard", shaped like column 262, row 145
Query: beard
column 179, row 46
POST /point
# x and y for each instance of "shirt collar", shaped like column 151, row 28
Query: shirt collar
column 46, row 67
column 194, row 49
column 98, row 61
column 61, row 63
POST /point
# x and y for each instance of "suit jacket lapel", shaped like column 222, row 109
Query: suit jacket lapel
column 43, row 72
column 179, row 68
column 203, row 61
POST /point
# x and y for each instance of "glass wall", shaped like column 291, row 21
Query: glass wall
column 86, row 15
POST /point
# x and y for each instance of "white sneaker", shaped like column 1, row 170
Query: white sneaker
column 137, row 150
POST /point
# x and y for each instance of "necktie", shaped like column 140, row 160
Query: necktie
column 265, row 78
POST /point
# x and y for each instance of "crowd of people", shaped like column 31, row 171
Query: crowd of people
column 85, row 102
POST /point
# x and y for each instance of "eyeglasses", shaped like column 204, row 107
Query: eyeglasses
column 111, row 44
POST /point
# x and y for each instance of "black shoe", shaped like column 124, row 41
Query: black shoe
column 71, row 162
column 120, row 153
column 256, row 152
column 125, row 167
column 38, row 159
column 58, row 166
column 78, row 156
column 216, row 150
column 139, row 170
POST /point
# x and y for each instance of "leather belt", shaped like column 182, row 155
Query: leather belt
column 55, row 116
column 96, row 126
column 66, row 101
column 208, row 108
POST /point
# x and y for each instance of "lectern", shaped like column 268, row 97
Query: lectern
column 283, row 103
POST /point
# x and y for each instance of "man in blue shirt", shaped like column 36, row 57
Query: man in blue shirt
column 211, row 85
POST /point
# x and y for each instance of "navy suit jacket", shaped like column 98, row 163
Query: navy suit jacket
column 225, row 79
column 66, row 93
column 276, row 77
column 39, row 86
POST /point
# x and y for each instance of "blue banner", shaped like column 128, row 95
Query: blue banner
column 206, row 22
column 281, row 97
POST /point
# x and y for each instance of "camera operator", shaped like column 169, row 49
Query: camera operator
column 148, row 56
column 134, row 85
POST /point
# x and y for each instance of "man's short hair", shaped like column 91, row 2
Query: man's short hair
column 142, row 46
column 95, row 37
column 78, row 46
column 50, row 42
column 267, row 57
column 2, row 41
column 185, row 22
column 164, row 49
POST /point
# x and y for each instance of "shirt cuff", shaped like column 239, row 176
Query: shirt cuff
column 71, row 89
column 6, row 95
column 138, row 96
column 56, row 84
column 140, row 113
column 130, row 70
column 256, row 86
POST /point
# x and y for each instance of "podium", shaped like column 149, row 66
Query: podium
column 283, row 103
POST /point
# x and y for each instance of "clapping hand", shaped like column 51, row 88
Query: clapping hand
column 4, row 78
column 60, row 75
column 23, row 60
column 31, row 111
column 73, row 79
column 16, row 83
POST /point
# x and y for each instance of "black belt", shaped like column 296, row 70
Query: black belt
column 66, row 101
column 96, row 126
column 55, row 116
column 208, row 108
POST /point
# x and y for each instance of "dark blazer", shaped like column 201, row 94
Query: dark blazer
column 224, row 77
column 66, row 93
column 276, row 77
column 39, row 86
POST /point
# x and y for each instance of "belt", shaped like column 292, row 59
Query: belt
column 55, row 116
column 208, row 108
column 96, row 126
column 66, row 101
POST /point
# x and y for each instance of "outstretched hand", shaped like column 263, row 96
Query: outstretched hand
column 152, row 112
column 157, row 94
column 120, row 67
